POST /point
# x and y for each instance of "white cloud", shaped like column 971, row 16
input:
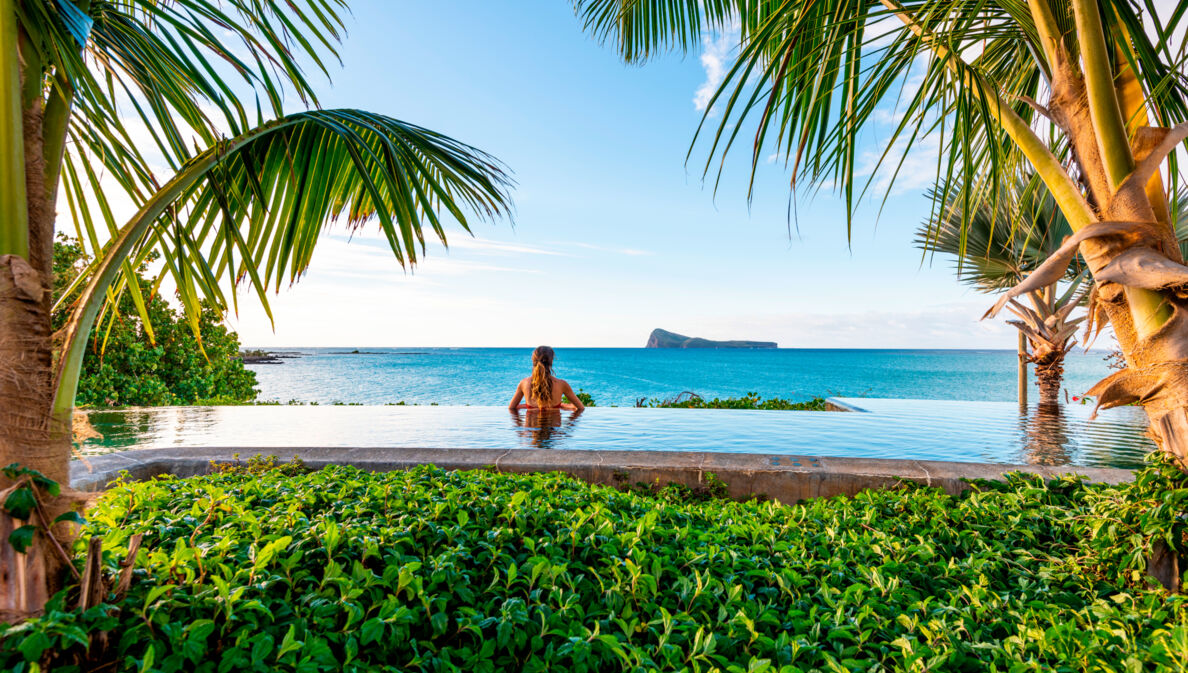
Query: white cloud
column 461, row 241
column 717, row 50
column 917, row 172
column 938, row 326
column 630, row 252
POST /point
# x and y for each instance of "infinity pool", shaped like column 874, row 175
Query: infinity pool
column 984, row 432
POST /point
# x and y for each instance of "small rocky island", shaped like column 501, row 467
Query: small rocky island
column 665, row 339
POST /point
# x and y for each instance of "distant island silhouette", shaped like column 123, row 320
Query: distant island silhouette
column 664, row 339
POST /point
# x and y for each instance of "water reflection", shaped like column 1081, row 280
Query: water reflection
column 1059, row 435
column 544, row 428
column 994, row 432
column 1046, row 439
column 147, row 427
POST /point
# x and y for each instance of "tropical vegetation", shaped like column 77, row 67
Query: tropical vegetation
column 748, row 401
column 998, row 246
column 126, row 365
column 94, row 96
column 1089, row 95
column 430, row 570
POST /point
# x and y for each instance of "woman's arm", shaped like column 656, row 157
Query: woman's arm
column 515, row 401
column 573, row 398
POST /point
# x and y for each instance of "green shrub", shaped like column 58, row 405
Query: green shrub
column 586, row 398
column 123, row 367
column 748, row 401
column 259, row 465
column 431, row 570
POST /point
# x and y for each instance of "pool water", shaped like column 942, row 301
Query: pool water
column 983, row 432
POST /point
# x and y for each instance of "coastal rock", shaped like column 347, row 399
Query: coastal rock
column 665, row 339
column 259, row 357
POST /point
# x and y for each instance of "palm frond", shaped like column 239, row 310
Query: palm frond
column 813, row 80
column 178, row 71
column 995, row 243
column 252, row 208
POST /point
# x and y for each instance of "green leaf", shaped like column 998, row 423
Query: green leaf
column 33, row 645
column 371, row 631
column 261, row 648
column 51, row 487
column 22, row 538
column 289, row 643
column 304, row 169
column 20, row 503
column 71, row 516
column 270, row 551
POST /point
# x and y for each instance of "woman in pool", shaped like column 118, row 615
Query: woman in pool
column 543, row 390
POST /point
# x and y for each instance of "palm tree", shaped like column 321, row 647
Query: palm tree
column 97, row 93
column 995, row 248
column 1090, row 94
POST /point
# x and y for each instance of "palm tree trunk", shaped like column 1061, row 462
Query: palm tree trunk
column 1151, row 324
column 1049, row 374
column 29, row 434
column 1022, row 370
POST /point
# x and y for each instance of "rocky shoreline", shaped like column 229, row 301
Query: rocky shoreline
column 266, row 357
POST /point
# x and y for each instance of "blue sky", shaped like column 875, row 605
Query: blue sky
column 613, row 234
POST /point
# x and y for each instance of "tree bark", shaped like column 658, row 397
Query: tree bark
column 1022, row 370
column 1049, row 374
column 1162, row 352
column 29, row 435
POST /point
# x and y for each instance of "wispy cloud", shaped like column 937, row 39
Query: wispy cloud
column 463, row 242
column 955, row 325
column 630, row 252
column 917, row 171
column 716, row 52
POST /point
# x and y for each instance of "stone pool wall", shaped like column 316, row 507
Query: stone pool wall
column 781, row 477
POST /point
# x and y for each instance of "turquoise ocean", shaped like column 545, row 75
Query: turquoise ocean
column 621, row 376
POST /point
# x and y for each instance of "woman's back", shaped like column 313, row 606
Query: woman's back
column 542, row 389
column 556, row 394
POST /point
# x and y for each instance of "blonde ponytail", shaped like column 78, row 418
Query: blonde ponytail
column 540, row 392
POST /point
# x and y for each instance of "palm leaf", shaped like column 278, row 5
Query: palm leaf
column 253, row 208
column 1002, row 240
column 813, row 77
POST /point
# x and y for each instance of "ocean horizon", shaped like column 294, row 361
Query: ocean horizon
column 621, row 376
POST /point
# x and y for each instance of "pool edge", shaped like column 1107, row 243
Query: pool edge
column 780, row 477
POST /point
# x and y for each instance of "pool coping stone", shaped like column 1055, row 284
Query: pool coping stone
column 781, row 477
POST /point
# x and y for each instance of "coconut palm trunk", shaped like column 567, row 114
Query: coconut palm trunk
column 27, row 434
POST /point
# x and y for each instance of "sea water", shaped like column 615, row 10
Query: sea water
column 623, row 376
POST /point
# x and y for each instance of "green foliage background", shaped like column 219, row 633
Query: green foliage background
column 748, row 401
column 123, row 367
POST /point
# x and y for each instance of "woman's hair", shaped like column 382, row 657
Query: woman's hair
column 540, row 392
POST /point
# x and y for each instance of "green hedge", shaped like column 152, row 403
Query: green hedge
column 437, row 571
column 748, row 401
